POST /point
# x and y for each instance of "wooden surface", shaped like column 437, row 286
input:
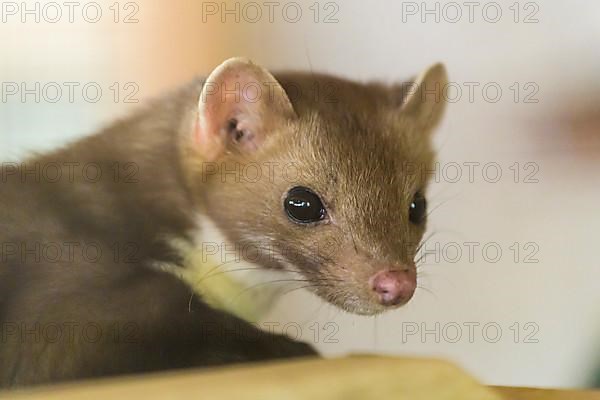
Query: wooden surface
column 546, row 394
column 351, row 378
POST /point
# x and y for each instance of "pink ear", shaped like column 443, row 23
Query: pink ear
column 240, row 102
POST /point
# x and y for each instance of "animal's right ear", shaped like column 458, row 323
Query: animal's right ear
column 240, row 104
column 424, row 100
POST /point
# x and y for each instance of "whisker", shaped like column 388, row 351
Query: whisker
column 270, row 282
column 219, row 266
column 204, row 277
column 437, row 206
column 190, row 302
column 428, row 291
column 304, row 287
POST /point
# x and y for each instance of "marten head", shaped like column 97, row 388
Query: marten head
column 318, row 175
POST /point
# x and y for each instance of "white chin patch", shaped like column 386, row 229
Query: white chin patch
column 214, row 268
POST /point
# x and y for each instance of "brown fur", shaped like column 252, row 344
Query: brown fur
column 351, row 151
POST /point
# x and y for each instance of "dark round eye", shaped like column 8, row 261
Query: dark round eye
column 418, row 209
column 303, row 205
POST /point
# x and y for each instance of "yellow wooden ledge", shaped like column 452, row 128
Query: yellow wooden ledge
column 546, row 394
column 350, row 378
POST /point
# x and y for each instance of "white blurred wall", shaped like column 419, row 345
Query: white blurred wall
column 556, row 299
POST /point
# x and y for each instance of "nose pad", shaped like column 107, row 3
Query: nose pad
column 394, row 287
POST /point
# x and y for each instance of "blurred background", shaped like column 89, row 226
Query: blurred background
column 510, row 288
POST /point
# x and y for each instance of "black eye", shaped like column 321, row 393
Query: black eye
column 303, row 205
column 418, row 209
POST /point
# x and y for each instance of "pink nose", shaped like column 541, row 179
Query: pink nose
column 394, row 287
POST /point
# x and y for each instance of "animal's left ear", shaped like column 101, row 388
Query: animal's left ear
column 424, row 100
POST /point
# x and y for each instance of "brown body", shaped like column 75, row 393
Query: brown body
column 115, row 313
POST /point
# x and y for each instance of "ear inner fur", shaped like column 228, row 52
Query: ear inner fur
column 239, row 103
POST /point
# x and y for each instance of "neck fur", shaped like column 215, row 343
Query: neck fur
column 216, row 271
